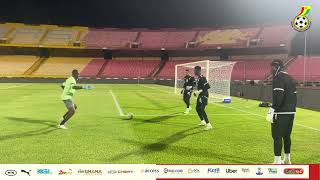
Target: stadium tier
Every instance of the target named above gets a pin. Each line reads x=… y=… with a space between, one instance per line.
x=178 y=39
x=226 y=38
x=60 y=37
x=168 y=70
x=60 y=66
x=93 y=68
x=312 y=66
x=102 y=38
x=273 y=36
x=152 y=39
x=3 y=31
x=16 y=65
x=27 y=35
x=251 y=69
x=129 y=68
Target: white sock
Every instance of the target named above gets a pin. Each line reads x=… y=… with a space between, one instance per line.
x=277 y=159
x=287 y=157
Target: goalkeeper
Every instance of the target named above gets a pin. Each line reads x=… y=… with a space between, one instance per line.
x=69 y=88
x=203 y=95
x=189 y=82
x=282 y=112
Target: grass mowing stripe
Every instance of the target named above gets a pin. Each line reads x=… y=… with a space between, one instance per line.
x=116 y=103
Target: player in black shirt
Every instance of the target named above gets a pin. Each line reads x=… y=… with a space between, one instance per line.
x=203 y=95
x=189 y=82
x=282 y=112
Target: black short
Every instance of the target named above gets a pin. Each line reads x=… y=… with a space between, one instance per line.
x=282 y=125
x=202 y=100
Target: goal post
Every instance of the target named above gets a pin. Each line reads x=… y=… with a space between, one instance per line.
x=218 y=74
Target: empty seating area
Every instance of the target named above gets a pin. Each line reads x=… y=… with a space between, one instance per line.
x=3 y=31
x=129 y=68
x=251 y=69
x=168 y=70
x=61 y=66
x=225 y=38
x=15 y=65
x=178 y=39
x=27 y=35
x=93 y=68
x=273 y=36
x=152 y=39
x=100 y=38
x=60 y=37
x=312 y=69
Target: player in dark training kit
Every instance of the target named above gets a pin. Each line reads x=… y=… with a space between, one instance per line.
x=282 y=112
x=189 y=82
x=203 y=95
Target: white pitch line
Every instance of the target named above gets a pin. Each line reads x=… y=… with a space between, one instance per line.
x=10 y=87
x=116 y=103
x=161 y=115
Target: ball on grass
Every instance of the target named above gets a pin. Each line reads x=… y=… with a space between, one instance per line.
x=129 y=116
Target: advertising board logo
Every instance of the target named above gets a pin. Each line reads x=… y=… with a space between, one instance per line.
x=11 y=172
x=259 y=172
x=44 y=171
x=173 y=171
x=125 y=171
x=63 y=172
x=191 y=170
x=231 y=170
x=214 y=170
x=293 y=171
x=90 y=171
x=150 y=170
x=26 y=172
x=273 y=170
x=245 y=170
x=112 y=172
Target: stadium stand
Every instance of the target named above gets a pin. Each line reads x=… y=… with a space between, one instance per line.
x=152 y=39
x=27 y=35
x=93 y=68
x=225 y=38
x=60 y=66
x=100 y=38
x=273 y=36
x=168 y=70
x=178 y=39
x=296 y=69
x=60 y=37
x=3 y=31
x=15 y=65
x=258 y=69
x=129 y=68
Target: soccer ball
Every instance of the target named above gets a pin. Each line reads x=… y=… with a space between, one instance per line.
x=301 y=22
x=129 y=116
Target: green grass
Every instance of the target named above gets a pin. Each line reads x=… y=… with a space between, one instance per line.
x=159 y=133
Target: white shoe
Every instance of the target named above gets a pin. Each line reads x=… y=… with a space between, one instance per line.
x=203 y=123
x=286 y=162
x=277 y=160
x=62 y=127
x=187 y=111
x=208 y=127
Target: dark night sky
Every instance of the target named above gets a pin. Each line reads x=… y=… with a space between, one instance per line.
x=149 y=13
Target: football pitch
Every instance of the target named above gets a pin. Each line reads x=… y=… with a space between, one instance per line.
x=159 y=133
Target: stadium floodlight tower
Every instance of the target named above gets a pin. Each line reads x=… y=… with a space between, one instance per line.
x=218 y=74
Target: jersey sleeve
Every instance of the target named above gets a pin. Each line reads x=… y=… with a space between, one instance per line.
x=278 y=88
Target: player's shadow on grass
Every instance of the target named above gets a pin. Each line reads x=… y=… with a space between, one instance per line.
x=32 y=121
x=157 y=146
x=156 y=119
x=169 y=141
x=50 y=128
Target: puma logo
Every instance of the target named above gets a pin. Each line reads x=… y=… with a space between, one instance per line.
x=27 y=172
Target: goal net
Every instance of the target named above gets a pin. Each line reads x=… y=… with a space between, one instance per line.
x=218 y=74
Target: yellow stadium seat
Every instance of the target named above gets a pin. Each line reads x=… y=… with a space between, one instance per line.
x=60 y=66
x=15 y=65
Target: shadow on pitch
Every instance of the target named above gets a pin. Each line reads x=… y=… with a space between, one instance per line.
x=50 y=128
x=157 y=146
x=164 y=143
x=156 y=119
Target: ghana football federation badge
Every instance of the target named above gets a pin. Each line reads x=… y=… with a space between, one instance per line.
x=301 y=22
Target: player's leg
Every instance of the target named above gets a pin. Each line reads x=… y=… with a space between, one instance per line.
x=287 y=138
x=277 y=140
x=204 y=114
x=186 y=98
x=199 y=111
x=71 y=111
